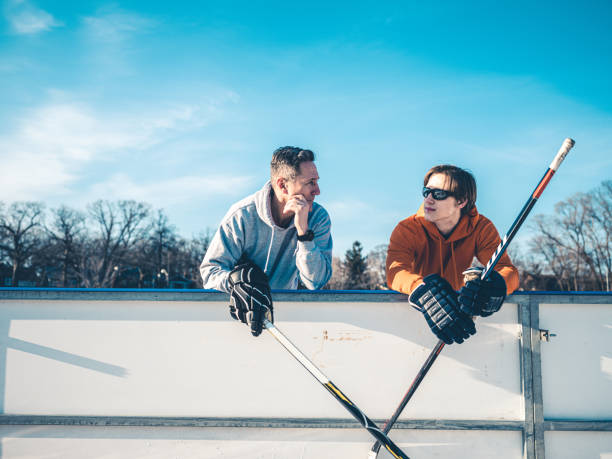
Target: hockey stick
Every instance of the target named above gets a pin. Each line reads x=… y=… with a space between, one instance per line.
x=337 y=393
x=503 y=245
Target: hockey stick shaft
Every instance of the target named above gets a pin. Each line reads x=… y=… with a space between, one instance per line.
x=366 y=422
x=537 y=192
x=503 y=245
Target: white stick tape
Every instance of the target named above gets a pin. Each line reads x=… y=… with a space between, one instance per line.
x=563 y=151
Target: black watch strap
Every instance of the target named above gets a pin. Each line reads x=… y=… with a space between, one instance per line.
x=307 y=236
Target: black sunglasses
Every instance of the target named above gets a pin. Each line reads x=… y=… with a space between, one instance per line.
x=437 y=194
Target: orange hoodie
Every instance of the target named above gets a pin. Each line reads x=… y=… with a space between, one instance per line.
x=417 y=249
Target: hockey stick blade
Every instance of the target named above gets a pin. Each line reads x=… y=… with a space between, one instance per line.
x=367 y=423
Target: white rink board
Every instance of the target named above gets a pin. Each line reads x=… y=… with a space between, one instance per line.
x=577 y=363
x=578 y=445
x=233 y=443
x=173 y=358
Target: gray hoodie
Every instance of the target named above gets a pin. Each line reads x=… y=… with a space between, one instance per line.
x=248 y=228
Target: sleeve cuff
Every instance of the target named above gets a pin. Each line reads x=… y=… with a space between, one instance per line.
x=306 y=245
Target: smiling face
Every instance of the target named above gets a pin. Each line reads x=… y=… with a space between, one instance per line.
x=445 y=214
x=306 y=183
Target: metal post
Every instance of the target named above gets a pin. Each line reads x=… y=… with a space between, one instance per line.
x=526 y=379
x=536 y=367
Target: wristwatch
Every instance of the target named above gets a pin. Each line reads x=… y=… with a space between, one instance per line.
x=307 y=236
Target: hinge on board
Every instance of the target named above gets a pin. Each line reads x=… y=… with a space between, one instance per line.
x=546 y=335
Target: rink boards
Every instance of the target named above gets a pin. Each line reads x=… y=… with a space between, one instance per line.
x=125 y=374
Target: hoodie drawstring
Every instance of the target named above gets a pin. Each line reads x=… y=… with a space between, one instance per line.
x=451 y=261
x=441 y=261
x=269 y=250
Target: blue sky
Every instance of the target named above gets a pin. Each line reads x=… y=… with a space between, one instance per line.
x=180 y=104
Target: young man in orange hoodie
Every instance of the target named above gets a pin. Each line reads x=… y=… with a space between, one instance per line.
x=429 y=251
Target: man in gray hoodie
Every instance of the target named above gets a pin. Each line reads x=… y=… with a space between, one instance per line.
x=279 y=228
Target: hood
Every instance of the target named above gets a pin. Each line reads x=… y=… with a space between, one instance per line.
x=263 y=204
x=464 y=228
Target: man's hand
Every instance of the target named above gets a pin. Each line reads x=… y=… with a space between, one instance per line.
x=437 y=300
x=483 y=298
x=300 y=206
x=250 y=297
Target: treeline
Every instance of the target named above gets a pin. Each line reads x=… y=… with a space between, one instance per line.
x=357 y=271
x=572 y=249
x=128 y=244
x=113 y=244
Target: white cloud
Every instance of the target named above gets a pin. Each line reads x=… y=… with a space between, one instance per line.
x=115 y=25
x=347 y=209
x=76 y=132
x=25 y=18
x=52 y=144
x=350 y=210
x=606 y=366
x=15 y=64
x=170 y=192
x=25 y=175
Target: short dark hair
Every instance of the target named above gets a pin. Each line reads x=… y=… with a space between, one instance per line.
x=286 y=161
x=462 y=183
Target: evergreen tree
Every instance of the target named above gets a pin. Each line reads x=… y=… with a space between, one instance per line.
x=356 y=268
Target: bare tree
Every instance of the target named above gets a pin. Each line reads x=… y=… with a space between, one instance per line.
x=576 y=243
x=152 y=256
x=530 y=268
x=600 y=233
x=119 y=226
x=376 y=261
x=359 y=272
x=189 y=256
x=163 y=237
x=65 y=235
x=20 y=234
x=556 y=258
x=115 y=244
x=338 y=278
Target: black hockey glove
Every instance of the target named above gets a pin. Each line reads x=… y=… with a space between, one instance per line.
x=483 y=298
x=250 y=298
x=437 y=300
